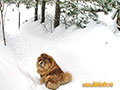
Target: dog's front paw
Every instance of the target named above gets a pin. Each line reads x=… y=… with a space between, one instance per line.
x=41 y=81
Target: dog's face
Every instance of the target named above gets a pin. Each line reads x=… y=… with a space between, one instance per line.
x=44 y=62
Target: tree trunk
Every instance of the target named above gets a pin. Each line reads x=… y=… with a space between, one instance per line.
x=118 y=18
x=19 y=21
x=18 y=6
x=57 y=14
x=2 y=21
x=43 y=11
x=36 y=11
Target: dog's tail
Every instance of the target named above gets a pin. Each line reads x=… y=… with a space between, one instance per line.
x=67 y=77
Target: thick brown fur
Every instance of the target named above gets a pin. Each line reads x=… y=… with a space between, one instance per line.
x=51 y=74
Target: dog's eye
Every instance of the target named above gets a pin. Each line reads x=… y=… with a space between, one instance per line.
x=41 y=63
x=40 y=60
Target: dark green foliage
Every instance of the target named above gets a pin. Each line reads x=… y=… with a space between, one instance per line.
x=81 y=12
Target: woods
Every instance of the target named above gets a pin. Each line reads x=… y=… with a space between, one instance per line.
x=67 y=12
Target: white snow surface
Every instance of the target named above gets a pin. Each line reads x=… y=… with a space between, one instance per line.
x=90 y=54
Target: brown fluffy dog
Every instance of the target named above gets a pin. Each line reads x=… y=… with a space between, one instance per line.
x=50 y=72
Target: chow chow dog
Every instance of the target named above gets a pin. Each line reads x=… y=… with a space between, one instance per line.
x=50 y=73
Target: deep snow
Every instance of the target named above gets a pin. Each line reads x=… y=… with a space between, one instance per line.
x=90 y=54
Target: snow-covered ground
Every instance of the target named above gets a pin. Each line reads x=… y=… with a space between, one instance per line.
x=90 y=54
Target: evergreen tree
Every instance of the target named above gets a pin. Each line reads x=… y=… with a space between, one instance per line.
x=81 y=12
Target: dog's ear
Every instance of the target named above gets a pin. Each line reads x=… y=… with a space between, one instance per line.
x=44 y=55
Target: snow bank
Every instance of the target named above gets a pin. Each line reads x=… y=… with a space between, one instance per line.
x=10 y=77
x=90 y=55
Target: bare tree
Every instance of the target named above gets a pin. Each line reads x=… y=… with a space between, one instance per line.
x=19 y=14
x=43 y=11
x=2 y=20
x=36 y=11
x=57 y=14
